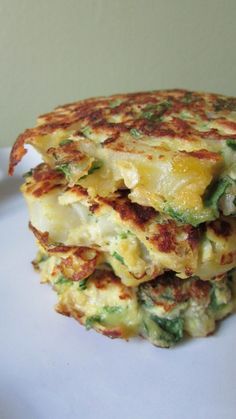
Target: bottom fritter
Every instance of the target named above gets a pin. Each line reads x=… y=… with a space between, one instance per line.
x=163 y=310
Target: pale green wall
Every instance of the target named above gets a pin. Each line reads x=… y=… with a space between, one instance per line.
x=56 y=51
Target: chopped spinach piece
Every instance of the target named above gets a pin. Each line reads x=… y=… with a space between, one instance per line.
x=62 y=280
x=154 y=112
x=185 y=217
x=167 y=297
x=43 y=258
x=64 y=168
x=115 y=103
x=225 y=104
x=145 y=328
x=151 y=116
x=118 y=257
x=231 y=144
x=95 y=166
x=188 y=98
x=214 y=305
x=66 y=141
x=27 y=174
x=125 y=234
x=86 y=131
x=174 y=326
x=158 y=107
x=176 y=214
x=83 y=284
x=216 y=192
x=89 y=323
x=144 y=298
x=184 y=115
x=135 y=133
x=230 y=276
x=112 y=309
x=108 y=265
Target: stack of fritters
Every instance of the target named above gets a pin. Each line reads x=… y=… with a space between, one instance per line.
x=134 y=211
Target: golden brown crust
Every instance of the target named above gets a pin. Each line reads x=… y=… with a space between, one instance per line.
x=165 y=239
x=204 y=155
x=139 y=215
x=43 y=180
x=76 y=264
x=199 y=289
x=67 y=153
x=179 y=290
x=163 y=235
x=18 y=151
x=79 y=265
x=143 y=111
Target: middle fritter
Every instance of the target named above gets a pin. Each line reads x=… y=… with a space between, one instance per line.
x=137 y=241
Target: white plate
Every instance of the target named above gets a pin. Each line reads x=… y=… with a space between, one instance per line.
x=52 y=368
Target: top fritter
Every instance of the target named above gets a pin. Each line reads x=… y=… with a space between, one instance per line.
x=174 y=149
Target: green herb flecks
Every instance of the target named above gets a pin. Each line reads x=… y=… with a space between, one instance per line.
x=66 y=141
x=232 y=144
x=136 y=133
x=115 y=103
x=118 y=257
